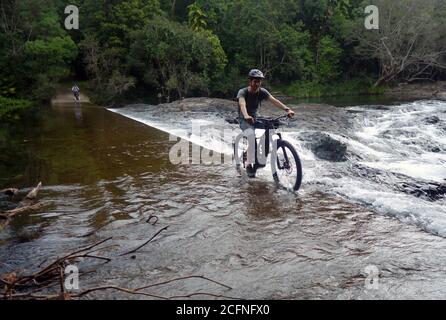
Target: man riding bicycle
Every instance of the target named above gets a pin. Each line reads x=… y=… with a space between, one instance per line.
x=76 y=91
x=249 y=101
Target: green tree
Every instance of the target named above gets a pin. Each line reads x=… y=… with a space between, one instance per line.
x=36 y=50
x=174 y=59
x=327 y=61
x=107 y=39
x=410 y=43
x=197 y=18
x=263 y=34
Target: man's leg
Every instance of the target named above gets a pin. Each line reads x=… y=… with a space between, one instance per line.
x=249 y=133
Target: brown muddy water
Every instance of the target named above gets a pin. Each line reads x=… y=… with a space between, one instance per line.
x=104 y=175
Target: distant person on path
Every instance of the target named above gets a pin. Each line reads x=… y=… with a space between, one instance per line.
x=76 y=91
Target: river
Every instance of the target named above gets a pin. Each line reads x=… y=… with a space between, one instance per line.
x=105 y=172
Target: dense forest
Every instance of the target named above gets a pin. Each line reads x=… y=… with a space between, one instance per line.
x=173 y=48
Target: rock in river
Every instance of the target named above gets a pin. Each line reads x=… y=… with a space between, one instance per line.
x=325 y=147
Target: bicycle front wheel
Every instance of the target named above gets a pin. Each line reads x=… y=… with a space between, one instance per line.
x=287 y=169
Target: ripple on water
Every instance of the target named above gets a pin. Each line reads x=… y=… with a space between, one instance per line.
x=262 y=242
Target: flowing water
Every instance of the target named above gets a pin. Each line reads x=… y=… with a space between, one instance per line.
x=105 y=172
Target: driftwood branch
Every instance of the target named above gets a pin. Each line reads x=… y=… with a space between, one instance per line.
x=10 y=192
x=27 y=204
x=182 y=278
x=47 y=277
x=145 y=243
x=138 y=291
x=12 y=213
x=153 y=220
x=52 y=276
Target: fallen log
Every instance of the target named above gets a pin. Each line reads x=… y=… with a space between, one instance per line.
x=27 y=204
x=30 y=197
x=12 y=213
x=11 y=192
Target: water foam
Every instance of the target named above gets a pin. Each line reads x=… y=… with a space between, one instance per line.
x=398 y=140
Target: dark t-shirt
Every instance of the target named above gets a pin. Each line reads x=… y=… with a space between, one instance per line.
x=253 y=100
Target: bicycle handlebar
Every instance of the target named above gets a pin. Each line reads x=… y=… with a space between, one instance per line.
x=261 y=120
x=272 y=119
x=270 y=122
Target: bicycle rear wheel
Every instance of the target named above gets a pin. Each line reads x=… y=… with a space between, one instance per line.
x=287 y=169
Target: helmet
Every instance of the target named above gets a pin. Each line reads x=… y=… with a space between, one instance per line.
x=255 y=73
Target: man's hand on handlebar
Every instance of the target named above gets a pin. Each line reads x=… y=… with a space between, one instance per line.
x=250 y=119
x=290 y=113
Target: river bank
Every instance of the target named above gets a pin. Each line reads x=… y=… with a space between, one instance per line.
x=10 y=109
x=419 y=91
x=361 y=88
x=344 y=93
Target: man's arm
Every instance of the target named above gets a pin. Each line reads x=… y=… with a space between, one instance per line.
x=242 y=104
x=280 y=105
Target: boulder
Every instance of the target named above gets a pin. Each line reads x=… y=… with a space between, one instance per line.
x=430 y=191
x=432 y=120
x=325 y=147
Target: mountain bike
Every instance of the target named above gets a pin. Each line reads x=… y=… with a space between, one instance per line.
x=77 y=99
x=285 y=163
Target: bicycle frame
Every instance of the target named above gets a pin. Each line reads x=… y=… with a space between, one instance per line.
x=270 y=132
